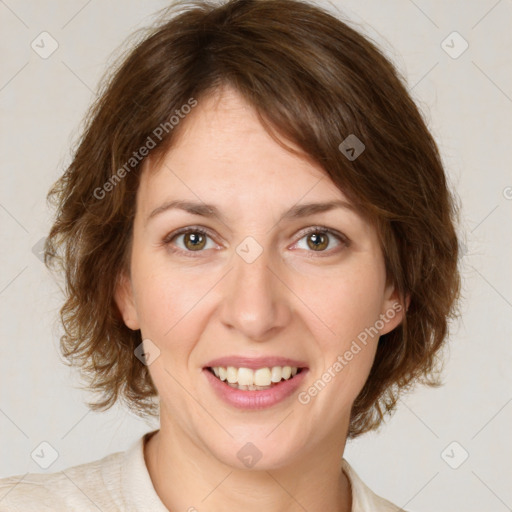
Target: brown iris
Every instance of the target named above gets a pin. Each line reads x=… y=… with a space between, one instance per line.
x=197 y=241
x=320 y=241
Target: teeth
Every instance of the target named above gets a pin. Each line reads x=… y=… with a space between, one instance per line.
x=248 y=379
x=277 y=374
x=262 y=377
x=245 y=377
x=232 y=374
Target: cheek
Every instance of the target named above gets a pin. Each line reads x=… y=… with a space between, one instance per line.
x=347 y=308
x=345 y=305
x=169 y=309
x=168 y=302
x=165 y=304
x=153 y=286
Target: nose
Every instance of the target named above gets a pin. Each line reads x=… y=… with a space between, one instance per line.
x=255 y=300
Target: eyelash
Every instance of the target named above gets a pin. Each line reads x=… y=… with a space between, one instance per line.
x=198 y=229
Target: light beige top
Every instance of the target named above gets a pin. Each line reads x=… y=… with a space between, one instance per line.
x=120 y=482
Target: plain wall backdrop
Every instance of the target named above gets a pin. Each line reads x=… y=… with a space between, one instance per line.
x=465 y=94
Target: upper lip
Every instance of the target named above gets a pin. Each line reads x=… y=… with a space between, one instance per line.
x=254 y=362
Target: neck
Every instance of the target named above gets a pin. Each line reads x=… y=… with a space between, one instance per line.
x=186 y=477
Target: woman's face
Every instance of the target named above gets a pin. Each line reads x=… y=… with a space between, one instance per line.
x=264 y=286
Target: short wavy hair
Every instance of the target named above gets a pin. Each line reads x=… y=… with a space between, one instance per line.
x=312 y=80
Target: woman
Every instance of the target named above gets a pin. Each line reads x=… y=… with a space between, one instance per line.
x=259 y=247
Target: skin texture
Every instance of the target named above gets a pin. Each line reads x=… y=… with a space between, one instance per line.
x=292 y=301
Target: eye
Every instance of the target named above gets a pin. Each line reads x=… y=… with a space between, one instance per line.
x=319 y=238
x=193 y=239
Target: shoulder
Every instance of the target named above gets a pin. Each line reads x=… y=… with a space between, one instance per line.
x=90 y=486
x=363 y=498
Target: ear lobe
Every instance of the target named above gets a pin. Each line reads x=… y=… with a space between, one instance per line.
x=123 y=296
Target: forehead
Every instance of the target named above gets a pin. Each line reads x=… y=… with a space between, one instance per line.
x=223 y=151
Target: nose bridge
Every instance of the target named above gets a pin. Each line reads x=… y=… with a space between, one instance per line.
x=254 y=302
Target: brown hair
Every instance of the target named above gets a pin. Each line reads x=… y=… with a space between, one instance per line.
x=313 y=80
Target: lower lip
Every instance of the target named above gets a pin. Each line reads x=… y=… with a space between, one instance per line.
x=255 y=399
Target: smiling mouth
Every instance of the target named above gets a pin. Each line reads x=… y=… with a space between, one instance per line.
x=247 y=379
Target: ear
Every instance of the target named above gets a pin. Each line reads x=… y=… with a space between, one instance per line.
x=393 y=308
x=124 y=298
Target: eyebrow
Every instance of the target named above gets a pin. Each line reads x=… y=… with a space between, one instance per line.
x=211 y=211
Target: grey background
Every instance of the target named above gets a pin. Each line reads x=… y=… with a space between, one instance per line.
x=468 y=106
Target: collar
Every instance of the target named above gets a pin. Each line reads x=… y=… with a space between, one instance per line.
x=140 y=495
x=136 y=484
